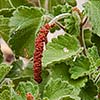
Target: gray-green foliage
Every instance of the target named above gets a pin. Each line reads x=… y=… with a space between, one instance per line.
x=24 y=23
x=61 y=49
x=70 y=62
x=92 y=9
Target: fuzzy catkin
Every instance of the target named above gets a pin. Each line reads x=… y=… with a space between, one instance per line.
x=39 y=45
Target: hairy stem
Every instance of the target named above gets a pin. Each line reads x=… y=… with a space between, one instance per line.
x=55 y=19
x=81 y=37
x=57 y=23
x=84 y=21
x=84 y=45
x=97 y=78
x=11 y=4
x=46 y=4
x=82 y=41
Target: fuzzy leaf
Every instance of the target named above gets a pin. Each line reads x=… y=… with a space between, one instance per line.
x=89 y=91
x=19 y=71
x=95 y=39
x=24 y=24
x=60 y=49
x=59 y=70
x=7 y=12
x=62 y=71
x=80 y=67
x=93 y=57
x=4 y=70
x=93 y=54
x=4 y=4
x=57 y=90
x=52 y=3
x=61 y=9
x=4 y=28
x=5 y=95
x=27 y=87
x=10 y=94
x=17 y=3
x=72 y=2
x=72 y=24
x=87 y=37
x=92 y=8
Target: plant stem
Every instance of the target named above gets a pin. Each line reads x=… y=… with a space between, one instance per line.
x=58 y=23
x=97 y=78
x=81 y=37
x=84 y=45
x=85 y=20
x=46 y=4
x=11 y=4
x=55 y=19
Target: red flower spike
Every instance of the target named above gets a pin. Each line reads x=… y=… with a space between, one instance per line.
x=47 y=26
x=29 y=96
x=39 y=45
x=52 y=25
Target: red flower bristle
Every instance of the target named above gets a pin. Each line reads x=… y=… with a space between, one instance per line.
x=39 y=45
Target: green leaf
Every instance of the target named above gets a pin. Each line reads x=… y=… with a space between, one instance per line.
x=45 y=79
x=7 y=12
x=10 y=94
x=19 y=71
x=59 y=70
x=4 y=28
x=87 y=37
x=72 y=24
x=93 y=57
x=6 y=90
x=80 y=67
x=25 y=24
x=4 y=70
x=61 y=9
x=4 y=4
x=89 y=92
x=62 y=71
x=58 y=89
x=17 y=3
x=57 y=10
x=28 y=87
x=71 y=2
x=92 y=9
x=51 y=3
x=95 y=40
x=93 y=54
x=5 y=95
x=60 y=49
